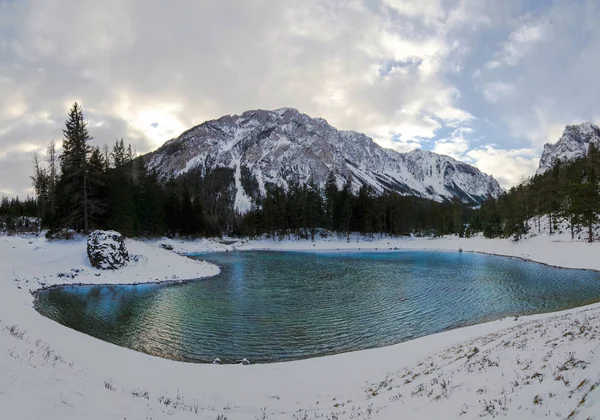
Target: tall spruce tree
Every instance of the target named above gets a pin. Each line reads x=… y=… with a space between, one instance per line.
x=73 y=184
x=40 y=180
x=52 y=161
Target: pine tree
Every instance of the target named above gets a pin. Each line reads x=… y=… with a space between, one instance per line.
x=73 y=182
x=98 y=185
x=186 y=214
x=121 y=214
x=314 y=208
x=584 y=204
x=457 y=212
x=331 y=197
x=171 y=206
x=52 y=161
x=345 y=207
x=41 y=180
x=149 y=202
x=364 y=210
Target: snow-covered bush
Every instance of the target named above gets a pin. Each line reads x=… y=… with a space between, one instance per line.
x=106 y=250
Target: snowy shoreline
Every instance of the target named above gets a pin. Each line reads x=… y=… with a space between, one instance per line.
x=417 y=249
x=541 y=249
x=100 y=380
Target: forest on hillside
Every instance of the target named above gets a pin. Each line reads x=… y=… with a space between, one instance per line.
x=84 y=187
x=569 y=192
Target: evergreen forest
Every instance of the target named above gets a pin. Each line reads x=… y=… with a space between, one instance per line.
x=86 y=187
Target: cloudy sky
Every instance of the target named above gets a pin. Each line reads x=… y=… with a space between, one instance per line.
x=485 y=81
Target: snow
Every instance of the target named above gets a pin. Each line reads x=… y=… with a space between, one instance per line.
x=272 y=143
x=243 y=203
x=530 y=367
x=573 y=144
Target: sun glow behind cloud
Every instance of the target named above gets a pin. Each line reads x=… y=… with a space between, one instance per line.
x=158 y=123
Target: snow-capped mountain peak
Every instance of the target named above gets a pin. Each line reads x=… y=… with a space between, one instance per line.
x=573 y=144
x=281 y=146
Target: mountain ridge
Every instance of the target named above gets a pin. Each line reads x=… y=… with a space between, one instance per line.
x=284 y=145
x=573 y=144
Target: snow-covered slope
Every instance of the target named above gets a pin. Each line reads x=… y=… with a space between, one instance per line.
x=284 y=145
x=573 y=144
x=540 y=366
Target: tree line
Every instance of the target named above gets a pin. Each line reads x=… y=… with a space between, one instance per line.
x=300 y=210
x=17 y=215
x=86 y=187
x=569 y=192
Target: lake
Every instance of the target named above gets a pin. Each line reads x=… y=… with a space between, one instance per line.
x=278 y=306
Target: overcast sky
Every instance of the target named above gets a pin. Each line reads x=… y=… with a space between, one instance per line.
x=485 y=81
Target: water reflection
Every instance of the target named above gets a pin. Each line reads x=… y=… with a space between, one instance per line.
x=269 y=306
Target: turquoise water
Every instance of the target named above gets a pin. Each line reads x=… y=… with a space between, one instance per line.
x=276 y=306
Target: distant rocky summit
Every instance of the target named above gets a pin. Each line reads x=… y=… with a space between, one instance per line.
x=573 y=144
x=263 y=148
x=106 y=250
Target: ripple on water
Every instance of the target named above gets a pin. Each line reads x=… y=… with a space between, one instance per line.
x=276 y=306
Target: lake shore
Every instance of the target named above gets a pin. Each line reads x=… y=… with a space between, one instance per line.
x=525 y=368
x=555 y=251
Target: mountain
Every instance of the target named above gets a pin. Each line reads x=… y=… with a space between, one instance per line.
x=573 y=144
x=279 y=146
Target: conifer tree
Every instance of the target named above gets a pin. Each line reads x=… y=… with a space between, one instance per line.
x=40 y=180
x=74 y=182
x=52 y=161
x=98 y=185
x=331 y=197
x=345 y=207
x=149 y=202
x=121 y=214
x=314 y=208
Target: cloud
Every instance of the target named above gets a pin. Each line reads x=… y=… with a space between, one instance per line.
x=146 y=72
x=508 y=166
x=12 y=163
x=427 y=10
x=400 y=71
x=520 y=42
x=456 y=145
x=495 y=91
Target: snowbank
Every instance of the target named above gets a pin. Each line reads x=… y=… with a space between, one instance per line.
x=544 y=365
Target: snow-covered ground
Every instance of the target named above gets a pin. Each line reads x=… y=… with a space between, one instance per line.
x=531 y=367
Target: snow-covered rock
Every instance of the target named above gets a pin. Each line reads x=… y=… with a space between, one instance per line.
x=285 y=145
x=106 y=250
x=573 y=144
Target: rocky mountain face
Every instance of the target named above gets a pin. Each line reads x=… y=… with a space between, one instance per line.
x=281 y=146
x=573 y=144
